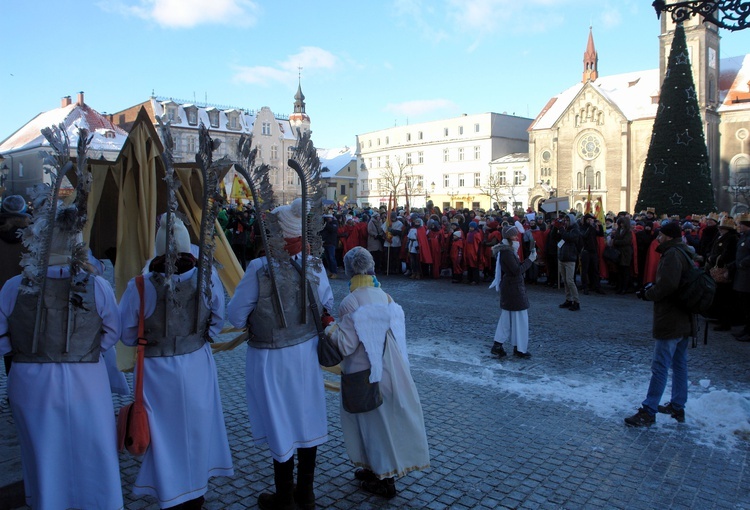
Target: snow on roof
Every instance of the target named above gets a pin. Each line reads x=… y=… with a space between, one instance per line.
x=515 y=157
x=335 y=159
x=734 y=83
x=107 y=136
x=630 y=92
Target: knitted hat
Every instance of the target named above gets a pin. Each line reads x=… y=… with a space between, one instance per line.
x=290 y=218
x=473 y=224
x=181 y=236
x=358 y=261
x=671 y=229
x=14 y=204
x=509 y=231
x=687 y=226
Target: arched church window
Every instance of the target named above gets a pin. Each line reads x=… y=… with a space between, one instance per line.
x=598 y=180
x=579 y=180
x=589 y=174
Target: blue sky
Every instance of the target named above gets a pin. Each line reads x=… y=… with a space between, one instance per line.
x=366 y=64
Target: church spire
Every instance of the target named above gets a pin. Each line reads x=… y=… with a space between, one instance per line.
x=590 y=60
x=299 y=119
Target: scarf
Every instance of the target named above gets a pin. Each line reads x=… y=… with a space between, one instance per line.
x=363 y=280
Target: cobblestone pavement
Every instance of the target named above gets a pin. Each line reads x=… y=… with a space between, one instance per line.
x=540 y=433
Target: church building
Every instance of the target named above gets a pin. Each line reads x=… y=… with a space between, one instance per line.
x=595 y=135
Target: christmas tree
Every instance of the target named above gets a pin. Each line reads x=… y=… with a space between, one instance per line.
x=676 y=176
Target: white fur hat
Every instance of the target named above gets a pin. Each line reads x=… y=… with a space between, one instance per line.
x=290 y=218
x=181 y=236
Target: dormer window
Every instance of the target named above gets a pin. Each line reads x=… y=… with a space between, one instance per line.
x=109 y=133
x=192 y=115
x=266 y=128
x=213 y=117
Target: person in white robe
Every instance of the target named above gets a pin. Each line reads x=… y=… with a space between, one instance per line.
x=63 y=411
x=389 y=441
x=181 y=393
x=513 y=324
x=285 y=388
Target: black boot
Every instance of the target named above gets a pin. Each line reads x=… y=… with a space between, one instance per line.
x=385 y=487
x=283 y=477
x=304 y=495
x=497 y=350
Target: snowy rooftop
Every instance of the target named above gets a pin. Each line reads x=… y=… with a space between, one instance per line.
x=632 y=92
x=515 y=157
x=335 y=159
x=107 y=136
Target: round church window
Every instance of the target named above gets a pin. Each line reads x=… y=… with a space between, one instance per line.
x=742 y=134
x=589 y=147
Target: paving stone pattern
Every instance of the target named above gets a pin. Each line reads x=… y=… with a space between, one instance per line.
x=492 y=448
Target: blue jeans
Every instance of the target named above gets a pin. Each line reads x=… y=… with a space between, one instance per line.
x=330 y=252
x=668 y=353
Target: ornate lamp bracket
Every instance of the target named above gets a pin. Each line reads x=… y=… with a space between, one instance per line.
x=729 y=14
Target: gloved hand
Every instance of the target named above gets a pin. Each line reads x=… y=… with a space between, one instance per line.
x=532 y=255
x=641 y=293
x=327 y=319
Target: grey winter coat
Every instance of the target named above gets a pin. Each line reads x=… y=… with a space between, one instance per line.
x=512 y=289
x=670 y=320
x=374 y=229
x=742 y=264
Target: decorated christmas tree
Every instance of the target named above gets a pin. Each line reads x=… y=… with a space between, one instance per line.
x=676 y=176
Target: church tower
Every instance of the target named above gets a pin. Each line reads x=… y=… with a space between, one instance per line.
x=703 y=45
x=299 y=119
x=590 y=60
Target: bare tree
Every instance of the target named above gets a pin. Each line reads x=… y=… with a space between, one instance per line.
x=397 y=178
x=499 y=188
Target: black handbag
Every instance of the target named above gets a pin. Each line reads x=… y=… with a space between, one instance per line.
x=358 y=394
x=611 y=254
x=328 y=353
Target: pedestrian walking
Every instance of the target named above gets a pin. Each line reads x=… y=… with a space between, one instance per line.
x=385 y=438
x=513 y=324
x=672 y=326
x=180 y=386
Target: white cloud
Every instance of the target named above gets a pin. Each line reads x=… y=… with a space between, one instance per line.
x=309 y=58
x=421 y=107
x=190 y=13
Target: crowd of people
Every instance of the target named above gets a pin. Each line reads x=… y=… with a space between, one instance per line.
x=383 y=426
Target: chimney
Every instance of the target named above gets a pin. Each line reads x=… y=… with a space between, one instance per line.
x=65 y=102
x=80 y=99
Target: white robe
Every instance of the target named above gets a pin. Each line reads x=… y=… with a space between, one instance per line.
x=390 y=440
x=188 y=435
x=285 y=393
x=65 y=417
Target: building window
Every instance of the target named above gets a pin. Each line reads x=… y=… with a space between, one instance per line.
x=460 y=153
x=445 y=131
x=191 y=144
x=517 y=205
x=476 y=128
x=477 y=152
x=387 y=140
x=598 y=180
x=408 y=158
x=419 y=135
x=213 y=118
x=546 y=156
x=445 y=155
x=387 y=161
x=266 y=128
x=517 y=177
x=233 y=122
x=343 y=189
x=477 y=179
x=502 y=179
x=378 y=141
x=446 y=180
x=461 y=181
x=369 y=184
x=589 y=177
x=378 y=160
x=171 y=113
x=460 y=130
x=378 y=184
x=408 y=137
x=363 y=184
x=420 y=157
x=369 y=162
x=289 y=152
x=475 y=205
x=579 y=180
x=260 y=153
x=369 y=143
x=192 y=116
x=274 y=152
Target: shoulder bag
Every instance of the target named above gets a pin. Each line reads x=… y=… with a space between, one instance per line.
x=719 y=274
x=133 y=433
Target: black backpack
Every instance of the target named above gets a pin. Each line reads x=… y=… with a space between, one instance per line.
x=697 y=289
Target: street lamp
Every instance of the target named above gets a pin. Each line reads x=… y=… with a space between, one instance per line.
x=730 y=14
x=4 y=171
